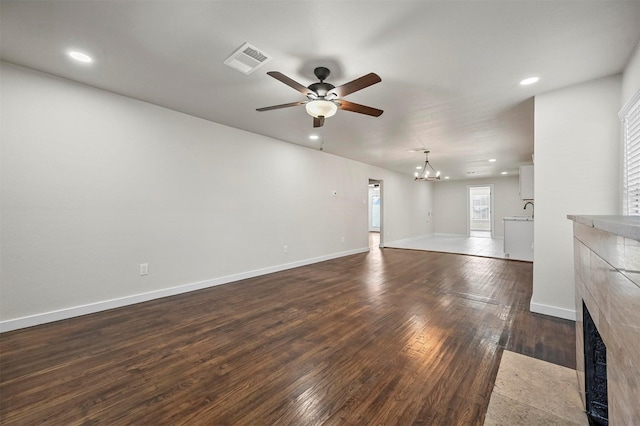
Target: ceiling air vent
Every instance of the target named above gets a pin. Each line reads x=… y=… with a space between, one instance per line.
x=247 y=59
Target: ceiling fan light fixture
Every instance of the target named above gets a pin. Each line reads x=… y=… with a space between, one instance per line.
x=324 y=99
x=321 y=108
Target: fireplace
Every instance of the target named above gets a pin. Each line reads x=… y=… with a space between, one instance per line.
x=607 y=295
x=595 y=372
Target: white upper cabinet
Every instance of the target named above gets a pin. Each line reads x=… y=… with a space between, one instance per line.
x=526 y=182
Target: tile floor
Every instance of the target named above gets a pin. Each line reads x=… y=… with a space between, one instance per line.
x=476 y=246
x=529 y=391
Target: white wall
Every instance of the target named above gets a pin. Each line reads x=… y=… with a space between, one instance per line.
x=577 y=170
x=408 y=203
x=450 y=203
x=94 y=184
x=631 y=76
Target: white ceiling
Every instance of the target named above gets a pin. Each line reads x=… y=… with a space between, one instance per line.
x=450 y=69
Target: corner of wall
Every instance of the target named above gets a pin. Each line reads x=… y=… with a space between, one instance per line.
x=553 y=311
x=631 y=76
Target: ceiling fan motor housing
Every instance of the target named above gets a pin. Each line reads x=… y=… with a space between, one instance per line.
x=321 y=89
x=322 y=73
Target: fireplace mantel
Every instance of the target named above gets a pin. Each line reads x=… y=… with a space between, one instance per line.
x=607 y=280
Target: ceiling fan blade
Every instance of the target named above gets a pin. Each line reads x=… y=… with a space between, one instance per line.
x=291 y=104
x=357 y=84
x=318 y=121
x=362 y=109
x=291 y=83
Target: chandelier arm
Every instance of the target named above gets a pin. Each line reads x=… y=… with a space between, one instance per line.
x=424 y=175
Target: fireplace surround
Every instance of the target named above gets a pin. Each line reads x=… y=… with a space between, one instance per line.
x=607 y=285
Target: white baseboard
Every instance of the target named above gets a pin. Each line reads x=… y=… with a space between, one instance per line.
x=76 y=311
x=553 y=311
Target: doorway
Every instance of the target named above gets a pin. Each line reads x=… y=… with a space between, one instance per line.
x=375 y=216
x=480 y=211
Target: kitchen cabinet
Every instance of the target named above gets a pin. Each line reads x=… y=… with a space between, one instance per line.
x=526 y=182
x=518 y=238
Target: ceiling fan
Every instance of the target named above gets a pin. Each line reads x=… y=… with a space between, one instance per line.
x=324 y=99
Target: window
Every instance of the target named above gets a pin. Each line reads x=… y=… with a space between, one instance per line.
x=630 y=116
x=480 y=207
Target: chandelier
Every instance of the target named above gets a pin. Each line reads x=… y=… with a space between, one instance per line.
x=428 y=172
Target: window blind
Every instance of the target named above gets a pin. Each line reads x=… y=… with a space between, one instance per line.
x=630 y=116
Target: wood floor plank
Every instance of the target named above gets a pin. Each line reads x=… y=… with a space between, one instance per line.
x=386 y=337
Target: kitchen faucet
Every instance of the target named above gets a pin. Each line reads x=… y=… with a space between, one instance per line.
x=532 y=207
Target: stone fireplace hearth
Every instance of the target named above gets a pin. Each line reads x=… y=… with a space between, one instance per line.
x=607 y=284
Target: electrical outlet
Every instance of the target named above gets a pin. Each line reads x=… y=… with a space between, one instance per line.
x=285 y=249
x=342 y=239
x=144 y=268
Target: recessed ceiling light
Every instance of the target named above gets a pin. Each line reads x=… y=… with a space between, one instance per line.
x=503 y=173
x=418 y=167
x=80 y=57
x=529 y=80
x=314 y=137
x=446 y=177
x=492 y=160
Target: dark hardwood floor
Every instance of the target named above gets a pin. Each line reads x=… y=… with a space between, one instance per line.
x=383 y=338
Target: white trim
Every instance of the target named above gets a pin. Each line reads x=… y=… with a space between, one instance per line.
x=381 y=230
x=553 y=311
x=371 y=194
x=627 y=107
x=76 y=311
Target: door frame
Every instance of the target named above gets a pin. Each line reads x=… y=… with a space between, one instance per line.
x=381 y=183
x=491 y=206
